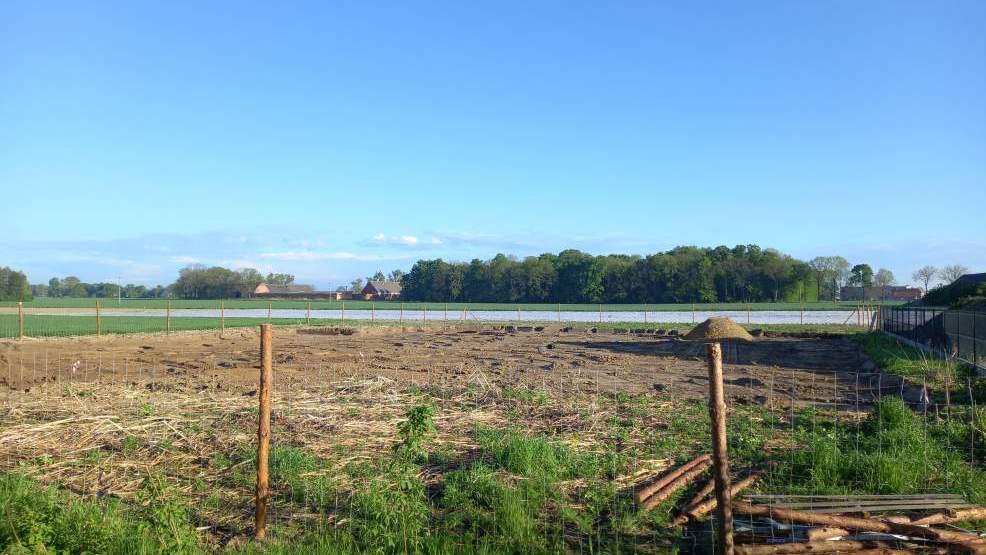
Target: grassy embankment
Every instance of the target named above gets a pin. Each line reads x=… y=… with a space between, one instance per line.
x=505 y=490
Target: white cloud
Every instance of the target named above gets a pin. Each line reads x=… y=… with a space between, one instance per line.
x=404 y=241
x=311 y=256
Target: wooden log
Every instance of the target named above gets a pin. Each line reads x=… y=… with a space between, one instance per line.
x=680 y=482
x=970 y=543
x=659 y=484
x=720 y=457
x=810 y=547
x=957 y=516
x=263 y=433
x=700 y=495
x=826 y=533
x=694 y=511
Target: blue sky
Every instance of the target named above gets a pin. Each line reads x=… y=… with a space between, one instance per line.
x=332 y=139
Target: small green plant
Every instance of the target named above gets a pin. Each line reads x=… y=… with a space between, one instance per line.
x=413 y=432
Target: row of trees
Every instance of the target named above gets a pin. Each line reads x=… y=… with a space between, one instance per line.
x=683 y=274
x=944 y=276
x=14 y=285
x=71 y=286
x=200 y=282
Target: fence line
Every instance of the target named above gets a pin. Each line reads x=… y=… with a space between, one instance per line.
x=958 y=334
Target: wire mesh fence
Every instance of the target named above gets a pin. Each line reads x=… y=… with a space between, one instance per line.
x=473 y=440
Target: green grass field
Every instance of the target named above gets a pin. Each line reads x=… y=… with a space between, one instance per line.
x=65 y=302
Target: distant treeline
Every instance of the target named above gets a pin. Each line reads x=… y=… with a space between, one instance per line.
x=744 y=273
x=683 y=274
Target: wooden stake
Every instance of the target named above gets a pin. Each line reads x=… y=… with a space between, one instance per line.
x=343 y=311
x=20 y=320
x=99 y=321
x=308 y=314
x=373 y=312
x=269 y=306
x=446 y=314
x=518 y=313
x=263 y=432
x=424 y=313
x=720 y=457
x=222 y=317
x=167 y=318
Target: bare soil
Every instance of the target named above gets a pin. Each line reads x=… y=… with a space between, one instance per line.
x=805 y=370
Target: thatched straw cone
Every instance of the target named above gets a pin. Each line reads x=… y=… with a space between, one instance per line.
x=714 y=331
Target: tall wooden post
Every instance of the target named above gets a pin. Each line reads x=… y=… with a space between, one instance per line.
x=402 y=314
x=308 y=314
x=720 y=457
x=263 y=433
x=270 y=305
x=373 y=311
x=446 y=314
x=99 y=321
x=424 y=313
x=20 y=320
x=343 y=311
x=518 y=313
x=222 y=317
x=167 y=318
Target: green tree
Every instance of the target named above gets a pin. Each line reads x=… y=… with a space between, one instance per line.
x=861 y=275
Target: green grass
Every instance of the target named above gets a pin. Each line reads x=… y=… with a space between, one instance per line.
x=939 y=373
x=513 y=491
x=69 y=302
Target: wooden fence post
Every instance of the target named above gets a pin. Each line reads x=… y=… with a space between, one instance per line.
x=222 y=318
x=99 y=322
x=270 y=305
x=263 y=433
x=424 y=313
x=720 y=458
x=402 y=316
x=308 y=314
x=343 y=311
x=167 y=318
x=373 y=311
x=20 y=320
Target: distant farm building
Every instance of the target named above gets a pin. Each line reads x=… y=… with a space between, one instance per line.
x=889 y=293
x=382 y=290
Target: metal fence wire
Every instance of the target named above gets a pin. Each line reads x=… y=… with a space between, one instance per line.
x=959 y=334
